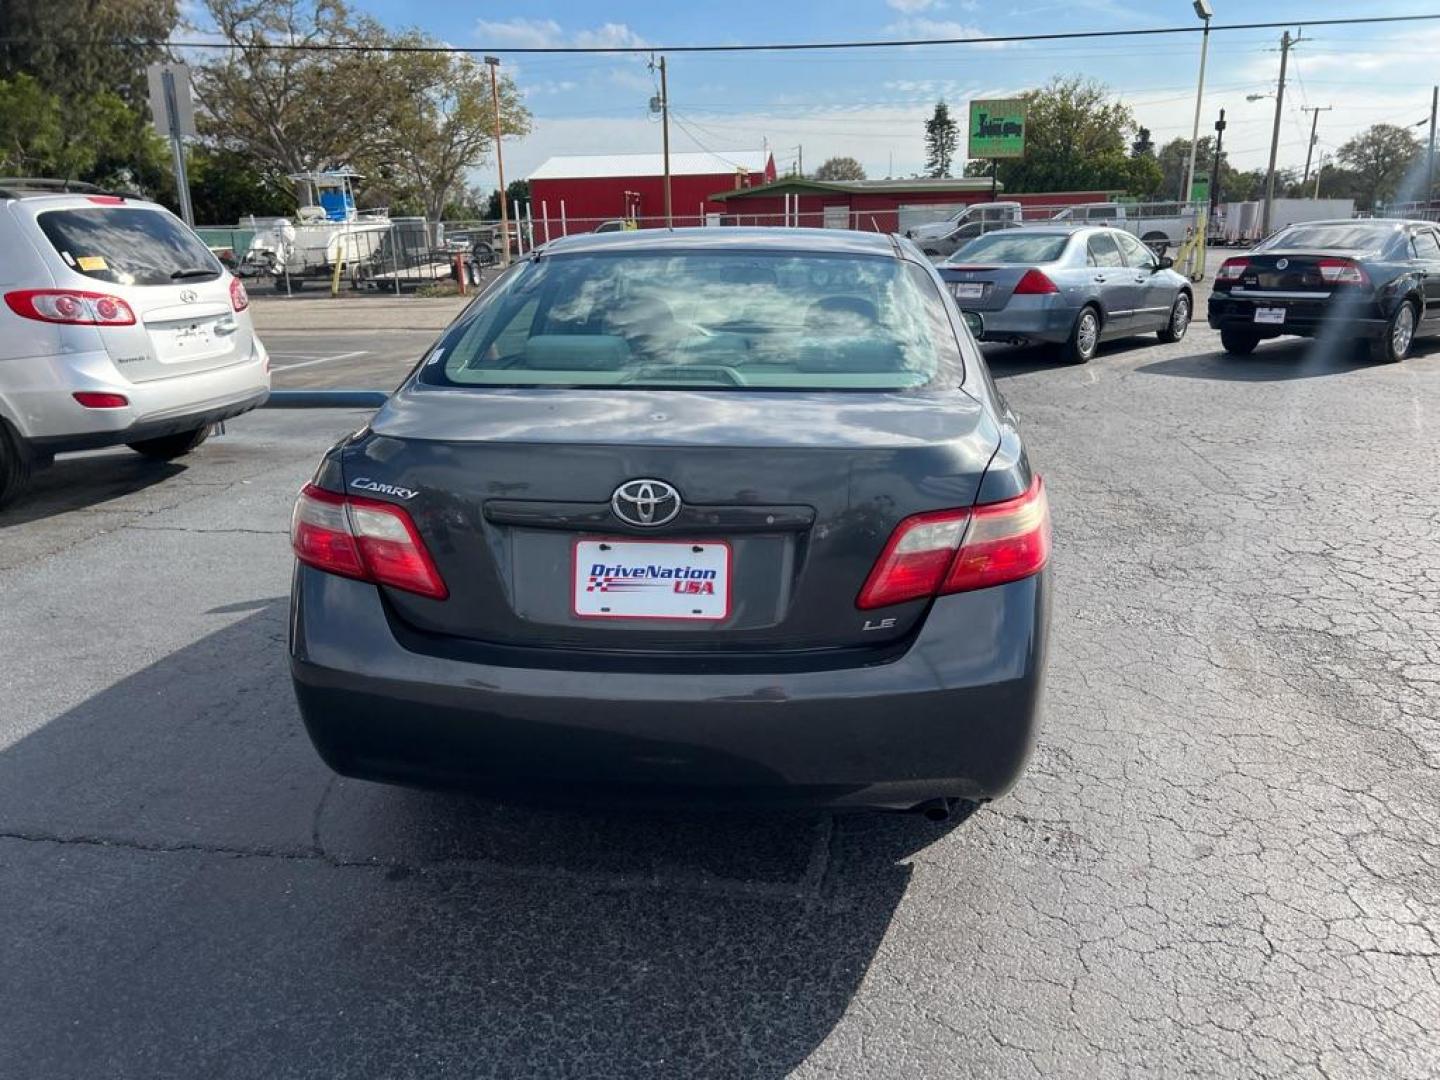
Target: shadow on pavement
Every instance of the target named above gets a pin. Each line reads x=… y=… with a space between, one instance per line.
x=1006 y=361
x=189 y=892
x=86 y=480
x=1285 y=360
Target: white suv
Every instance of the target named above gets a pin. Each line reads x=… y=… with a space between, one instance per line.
x=117 y=325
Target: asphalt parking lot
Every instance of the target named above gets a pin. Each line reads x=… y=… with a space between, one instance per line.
x=1222 y=862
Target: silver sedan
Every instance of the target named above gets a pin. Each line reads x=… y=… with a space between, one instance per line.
x=1069 y=287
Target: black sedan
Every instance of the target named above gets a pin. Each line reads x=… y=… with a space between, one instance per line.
x=715 y=514
x=1374 y=280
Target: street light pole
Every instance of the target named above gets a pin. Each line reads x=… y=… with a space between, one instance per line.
x=1215 y=168
x=1203 y=10
x=665 y=138
x=494 y=62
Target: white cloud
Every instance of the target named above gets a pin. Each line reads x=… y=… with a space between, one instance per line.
x=520 y=33
x=913 y=7
x=918 y=27
x=611 y=35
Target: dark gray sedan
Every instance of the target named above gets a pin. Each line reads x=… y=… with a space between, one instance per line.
x=715 y=514
x=1071 y=287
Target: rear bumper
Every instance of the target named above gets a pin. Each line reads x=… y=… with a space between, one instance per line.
x=955 y=715
x=36 y=397
x=1304 y=318
x=1027 y=318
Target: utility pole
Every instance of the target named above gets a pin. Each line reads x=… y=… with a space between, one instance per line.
x=1314 y=123
x=494 y=64
x=1430 y=166
x=1215 y=167
x=665 y=139
x=1285 y=42
x=800 y=161
x=1202 y=9
x=1319 y=168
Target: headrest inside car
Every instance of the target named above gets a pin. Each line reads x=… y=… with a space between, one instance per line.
x=576 y=352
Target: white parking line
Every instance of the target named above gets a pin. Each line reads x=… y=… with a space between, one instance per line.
x=319 y=360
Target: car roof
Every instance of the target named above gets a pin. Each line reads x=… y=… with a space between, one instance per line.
x=36 y=187
x=728 y=238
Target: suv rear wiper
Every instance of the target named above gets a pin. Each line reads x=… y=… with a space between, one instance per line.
x=194 y=271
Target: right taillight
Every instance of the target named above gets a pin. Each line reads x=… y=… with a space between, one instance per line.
x=952 y=551
x=363 y=538
x=239 y=298
x=1034 y=282
x=1342 y=272
x=70 y=307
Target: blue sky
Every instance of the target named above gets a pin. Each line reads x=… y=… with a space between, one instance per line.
x=870 y=104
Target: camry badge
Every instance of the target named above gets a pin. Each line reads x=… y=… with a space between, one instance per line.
x=646 y=503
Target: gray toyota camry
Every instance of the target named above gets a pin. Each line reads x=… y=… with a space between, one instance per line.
x=717 y=515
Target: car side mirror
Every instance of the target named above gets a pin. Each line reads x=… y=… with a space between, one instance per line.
x=1166 y=262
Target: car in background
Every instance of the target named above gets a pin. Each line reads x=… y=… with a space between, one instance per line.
x=1160 y=225
x=1372 y=280
x=940 y=238
x=117 y=326
x=1068 y=287
x=716 y=515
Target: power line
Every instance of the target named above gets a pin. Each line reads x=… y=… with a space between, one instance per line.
x=796 y=46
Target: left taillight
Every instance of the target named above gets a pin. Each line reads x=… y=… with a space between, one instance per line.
x=363 y=538
x=953 y=551
x=239 y=298
x=70 y=307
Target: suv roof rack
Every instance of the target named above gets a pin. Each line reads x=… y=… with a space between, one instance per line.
x=18 y=187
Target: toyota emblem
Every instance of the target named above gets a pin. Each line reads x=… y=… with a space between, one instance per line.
x=646 y=503
x=189 y=296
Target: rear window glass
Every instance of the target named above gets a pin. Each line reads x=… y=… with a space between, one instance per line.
x=713 y=320
x=1013 y=247
x=128 y=246
x=1334 y=235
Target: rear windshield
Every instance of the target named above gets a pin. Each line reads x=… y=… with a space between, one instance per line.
x=727 y=320
x=1013 y=247
x=1333 y=235
x=128 y=246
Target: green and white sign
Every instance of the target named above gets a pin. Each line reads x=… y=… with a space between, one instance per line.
x=997 y=129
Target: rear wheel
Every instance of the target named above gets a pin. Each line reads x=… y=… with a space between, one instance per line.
x=15 y=464
x=1084 y=338
x=1179 y=320
x=169 y=447
x=1238 y=342
x=1394 y=345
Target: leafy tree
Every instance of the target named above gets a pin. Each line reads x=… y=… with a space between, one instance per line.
x=942 y=139
x=41 y=134
x=1144 y=145
x=1077 y=136
x=840 y=168
x=519 y=192
x=1174 y=159
x=76 y=48
x=440 y=122
x=225 y=186
x=1380 y=157
x=291 y=110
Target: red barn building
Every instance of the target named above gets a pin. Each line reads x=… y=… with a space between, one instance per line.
x=586 y=190
x=878 y=205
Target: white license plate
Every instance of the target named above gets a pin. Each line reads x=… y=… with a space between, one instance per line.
x=1272 y=315
x=654 y=579
x=969 y=290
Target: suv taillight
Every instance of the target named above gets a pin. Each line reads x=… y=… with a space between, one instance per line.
x=239 y=298
x=952 y=551
x=71 y=307
x=365 y=539
x=1034 y=282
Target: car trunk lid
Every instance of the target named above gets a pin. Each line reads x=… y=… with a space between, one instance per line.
x=984 y=287
x=179 y=330
x=794 y=494
x=1294 y=271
